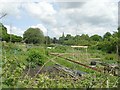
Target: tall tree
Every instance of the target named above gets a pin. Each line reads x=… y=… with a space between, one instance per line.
x=85 y=37
x=119 y=40
x=54 y=40
x=33 y=35
x=4 y=36
x=61 y=39
x=96 y=37
x=48 y=40
x=15 y=38
x=68 y=37
x=107 y=36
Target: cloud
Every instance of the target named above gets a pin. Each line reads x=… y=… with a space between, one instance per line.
x=12 y=8
x=42 y=10
x=41 y=27
x=92 y=12
x=86 y=17
x=20 y=32
x=90 y=16
x=85 y=0
x=14 y=30
x=68 y=5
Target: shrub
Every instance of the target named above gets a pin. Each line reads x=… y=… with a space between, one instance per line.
x=61 y=49
x=35 y=57
x=110 y=57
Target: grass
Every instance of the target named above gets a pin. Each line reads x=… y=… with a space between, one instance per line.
x=73 y=66
x=81 y=56
x=19 y=53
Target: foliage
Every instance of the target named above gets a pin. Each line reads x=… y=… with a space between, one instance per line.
x=47 y=40
x=61 y=39
x=3 y=33
x=13 y=73
x=54 y=41
x=119 y=40
x=15 y=38
x=35 y=57
x=96 y=38
x=16 y=57
x=33 y=35
x=4 y=36
x=107 y=35
x=60 y=49
x=110 y=57
x=108 y=43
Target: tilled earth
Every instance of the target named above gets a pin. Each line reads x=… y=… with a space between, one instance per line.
x=52 y=71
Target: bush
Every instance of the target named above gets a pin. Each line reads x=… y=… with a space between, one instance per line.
x=110 y=57
x=35 y=57
x=61 y=49
x=11 y=47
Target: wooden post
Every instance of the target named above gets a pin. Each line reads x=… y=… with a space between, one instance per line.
x=117 y=52
x=107 y=83
x=10 y=32
x=86 y=54
x=118 y=57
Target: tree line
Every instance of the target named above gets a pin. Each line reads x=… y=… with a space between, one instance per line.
x=108 y=42
x=4 y=36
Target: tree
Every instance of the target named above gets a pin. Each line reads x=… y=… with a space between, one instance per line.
x=15 y=38
x=68 y=37
x=107 y=36
x=96 y=37
x=4 y=36
x=61 y=39
x=47 y=40
x=54 y=40
x=85 y=37
x=33 y=35
x=119 y=40
x=77 y=39
x=109 y=44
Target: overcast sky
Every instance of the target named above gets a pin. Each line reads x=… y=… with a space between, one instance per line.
x=74 y=17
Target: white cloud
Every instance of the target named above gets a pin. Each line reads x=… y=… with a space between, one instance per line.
x=91 y=16
x=85 y=0
x=43 y=11
x=11 y=7
x=19 y=31
x=41 y=27
x=14 y=30
x=92 y=29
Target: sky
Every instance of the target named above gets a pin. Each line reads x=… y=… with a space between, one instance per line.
x=54 y=17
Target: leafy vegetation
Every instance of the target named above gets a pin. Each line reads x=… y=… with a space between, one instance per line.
x=35 y=57
x=107 y=43
x=18 y=58
x=33 y=35
x=4 y=36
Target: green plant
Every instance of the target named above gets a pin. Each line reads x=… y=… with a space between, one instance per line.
x=110 y=57
x=14 y=76
x=35 y=57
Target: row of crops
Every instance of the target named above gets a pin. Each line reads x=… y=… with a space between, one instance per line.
x=30 y=66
